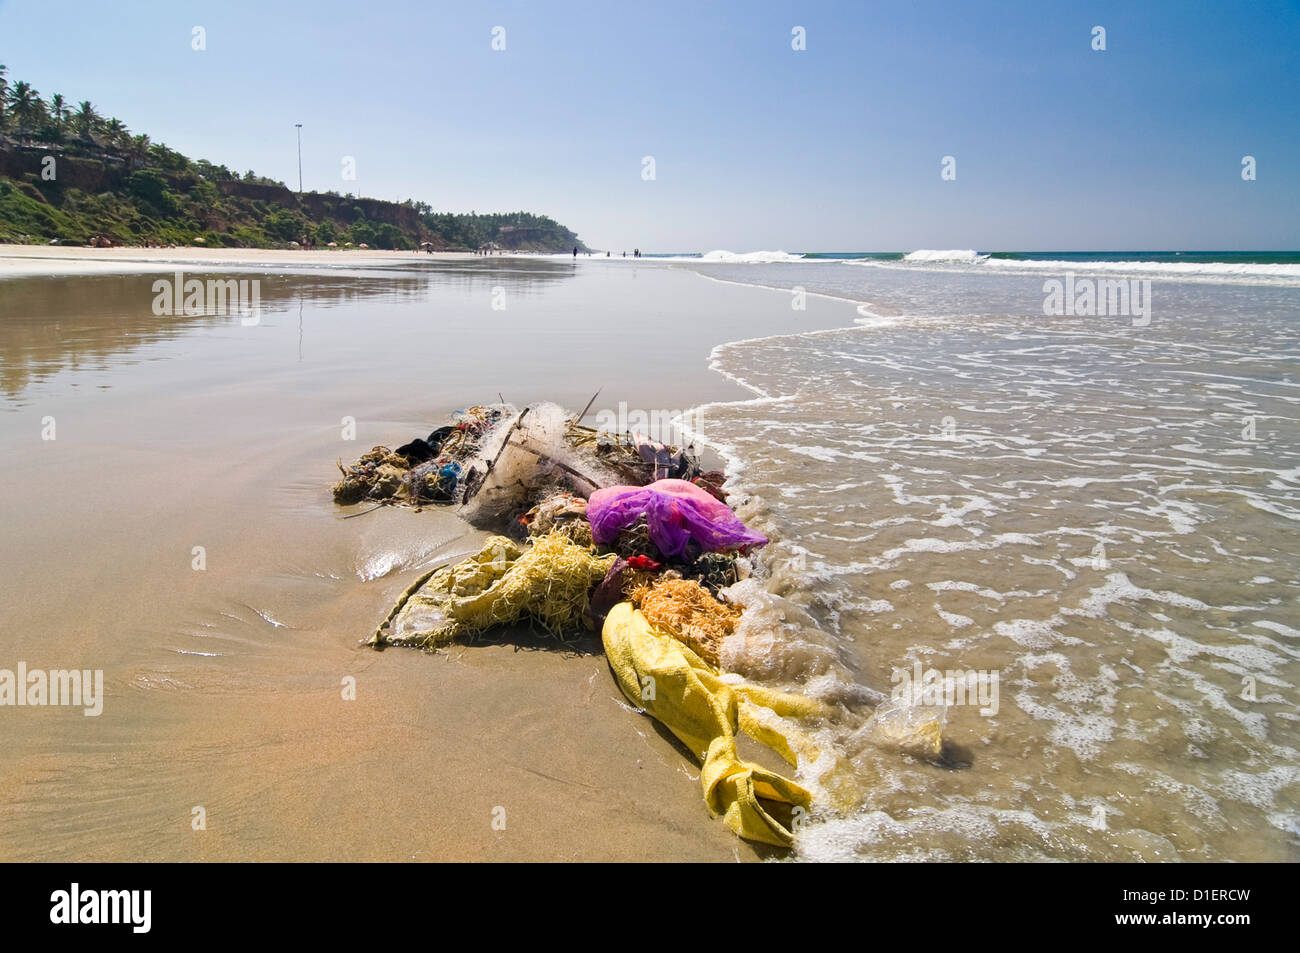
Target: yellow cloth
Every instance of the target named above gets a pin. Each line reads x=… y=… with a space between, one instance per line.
x=674 y=685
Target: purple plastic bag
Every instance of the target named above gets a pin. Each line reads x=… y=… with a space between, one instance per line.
x=676 y=512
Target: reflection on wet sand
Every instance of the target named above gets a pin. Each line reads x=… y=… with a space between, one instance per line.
x=48 y=323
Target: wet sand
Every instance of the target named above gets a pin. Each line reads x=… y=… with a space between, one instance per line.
x=68 y=260
x=225 y=685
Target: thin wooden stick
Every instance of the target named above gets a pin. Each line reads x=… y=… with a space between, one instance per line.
x=578 y=418
x=472 y=491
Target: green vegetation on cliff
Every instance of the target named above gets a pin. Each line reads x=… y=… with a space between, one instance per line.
x=72 y=176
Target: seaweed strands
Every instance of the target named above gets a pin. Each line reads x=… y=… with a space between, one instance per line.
x=715 y=571
x=377 y=475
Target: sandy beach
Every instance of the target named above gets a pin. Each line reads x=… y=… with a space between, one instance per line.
x=946 y=481
x=223 y=686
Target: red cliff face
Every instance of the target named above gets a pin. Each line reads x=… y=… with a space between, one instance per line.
x=71 y=172
x=319 y=206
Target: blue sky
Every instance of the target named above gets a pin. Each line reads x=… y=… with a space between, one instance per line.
x=756 y=145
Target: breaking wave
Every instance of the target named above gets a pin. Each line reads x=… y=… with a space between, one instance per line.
x=1286 y=274
x=720 y=256
x=951 y=255
x=1171 y=268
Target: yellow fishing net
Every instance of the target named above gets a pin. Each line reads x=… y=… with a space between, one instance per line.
x=546 y=583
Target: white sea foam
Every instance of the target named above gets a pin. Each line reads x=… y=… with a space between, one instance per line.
x=721 y=256
x=1273 y=273
x=1204 y=268
x=951 y=255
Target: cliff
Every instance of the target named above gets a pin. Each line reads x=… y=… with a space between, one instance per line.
x=50 y=193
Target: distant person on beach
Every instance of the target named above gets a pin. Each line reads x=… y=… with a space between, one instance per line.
x=575 y=251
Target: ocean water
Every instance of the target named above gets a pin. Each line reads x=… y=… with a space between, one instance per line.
x=1103 y=510
x=1281 y=268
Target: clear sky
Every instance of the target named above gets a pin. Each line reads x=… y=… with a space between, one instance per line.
x=755 y=145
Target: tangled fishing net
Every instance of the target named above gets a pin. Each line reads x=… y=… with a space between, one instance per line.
x=546 y=583
x=524 y=459
x=425 y=470
x=685 y=609
x=559 y=511
x=377 y=475
x=498 y=461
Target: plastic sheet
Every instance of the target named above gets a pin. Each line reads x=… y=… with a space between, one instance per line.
x=687 y=695
x=676 y=512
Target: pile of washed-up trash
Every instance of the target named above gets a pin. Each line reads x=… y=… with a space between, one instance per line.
x=619 y=534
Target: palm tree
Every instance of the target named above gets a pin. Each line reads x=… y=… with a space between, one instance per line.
x=4 y=94
x=26 y=105
x=137 y=148
x=85 y=119
x=116 y=133
x=59 y=113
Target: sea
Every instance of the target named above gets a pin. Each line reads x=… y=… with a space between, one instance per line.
x=1099 y=503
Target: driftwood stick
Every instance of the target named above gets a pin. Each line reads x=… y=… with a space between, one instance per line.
x=563 y=466
x=578 y=419
x=472 y=491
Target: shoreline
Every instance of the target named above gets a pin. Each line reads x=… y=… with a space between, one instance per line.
x=72 y=260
